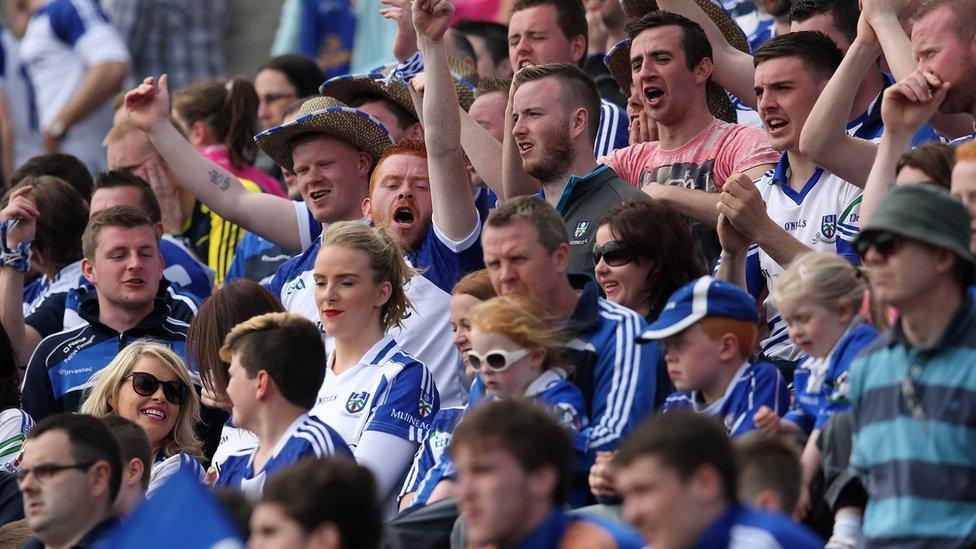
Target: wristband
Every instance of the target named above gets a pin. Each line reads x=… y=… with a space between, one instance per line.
x=19 y=257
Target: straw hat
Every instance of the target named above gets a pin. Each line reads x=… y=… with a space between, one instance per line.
x=329 y=116
x=618 y=59
x=345 y=88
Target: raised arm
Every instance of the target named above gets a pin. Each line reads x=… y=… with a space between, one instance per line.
x=454 y=211
x=515 y=181
x=734 y=70
x=269 y=216
x=23 y=337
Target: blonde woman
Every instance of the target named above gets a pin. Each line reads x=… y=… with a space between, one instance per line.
x=147 y=383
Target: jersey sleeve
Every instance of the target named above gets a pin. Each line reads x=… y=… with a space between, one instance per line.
x=755 y=280
x=83 y=25
x=613 y=132
x=48 y=317
x=409 y=405
x=768 y=388
x=13 y=432
x=308 y=228
x=848 y=226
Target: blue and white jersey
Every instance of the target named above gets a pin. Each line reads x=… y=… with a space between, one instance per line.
x=820 y=385
x=164 y=467
x=869 y=125
x=429 y=464
x=764 y=31
x=485 y=201
x=15 y=424
x=426 y=331
x=68 y=278
x=232 y=440
x=743 y=528
x=824 y=216
x=306 y=437
x=388 y=391
x=63 y=41
x=257 y=259
x=182 y=269
x=754 y=386
x=20 y=99
x=613 y=132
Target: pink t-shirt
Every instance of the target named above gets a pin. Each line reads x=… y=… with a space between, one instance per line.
x=704 y=163
x=218 y=155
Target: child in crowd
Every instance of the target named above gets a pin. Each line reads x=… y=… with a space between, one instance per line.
x=709 y=328
x=277 y=364
x=819 y=296
x=769 y=472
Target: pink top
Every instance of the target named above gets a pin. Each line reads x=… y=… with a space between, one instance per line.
x=218 y=154
x=704 y=163
x=476 y=10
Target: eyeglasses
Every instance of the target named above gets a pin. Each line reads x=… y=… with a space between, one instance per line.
x=496 y=360
x=613 y=253
x=44 y=472
x=885 y=244
x=146 y=384
x=275 y=97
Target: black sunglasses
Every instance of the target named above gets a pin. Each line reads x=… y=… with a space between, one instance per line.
x=613 y=253
x=885 y=244
x=146 y=384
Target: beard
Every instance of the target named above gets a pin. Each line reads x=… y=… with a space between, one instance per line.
x=961 y=97
x=557 y=157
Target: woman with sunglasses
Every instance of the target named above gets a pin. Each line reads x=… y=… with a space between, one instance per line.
x=147 y=383
x=643 y=253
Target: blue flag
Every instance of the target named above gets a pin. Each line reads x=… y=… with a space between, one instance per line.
x=182 y=513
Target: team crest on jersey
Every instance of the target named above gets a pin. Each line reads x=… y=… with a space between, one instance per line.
x=426 y=406
x=566 y=415
x=295 y=285
x=581 y=229
x=828 y=226
x=356 y=402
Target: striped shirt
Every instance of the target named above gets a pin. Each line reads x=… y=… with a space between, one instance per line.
x=15 y=424
x=915 y=436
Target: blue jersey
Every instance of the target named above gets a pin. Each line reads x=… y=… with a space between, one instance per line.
x=820 y=385
x=257 y=259
x=306 y=437
x=326 y=34
x=754 y=386
x=613 y=132
x=164 y=467
x=184 y=270
x=429 y=464
x=869 y=125
x=743 y=528
x=561 y=529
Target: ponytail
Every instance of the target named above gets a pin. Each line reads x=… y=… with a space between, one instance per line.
x=229 y=109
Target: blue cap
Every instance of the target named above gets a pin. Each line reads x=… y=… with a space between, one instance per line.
x=696 y=300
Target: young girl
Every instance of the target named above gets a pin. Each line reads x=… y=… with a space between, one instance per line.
x=819 y=296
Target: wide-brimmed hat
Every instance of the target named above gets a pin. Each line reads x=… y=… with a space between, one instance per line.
x=325 y=115
x=618 y=59
x=345 y=88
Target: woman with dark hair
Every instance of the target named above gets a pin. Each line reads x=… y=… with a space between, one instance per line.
x=14 y=422
x=232 y=304
x=283 y=81
x=643 y=253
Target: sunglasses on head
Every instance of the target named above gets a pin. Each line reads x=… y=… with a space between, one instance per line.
x=496 y=360
x=145 y=384
x=885 y=244
x=613 y=253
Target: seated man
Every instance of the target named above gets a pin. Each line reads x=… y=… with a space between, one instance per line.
x=277 y=364
x=678 y=480
x=136 y=459
x=514 y=475
x=709 y=328
x=70 y=475
x=84 y=329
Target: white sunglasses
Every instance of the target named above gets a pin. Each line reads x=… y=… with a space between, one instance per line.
x=496 y=360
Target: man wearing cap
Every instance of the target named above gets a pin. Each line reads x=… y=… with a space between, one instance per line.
x=695 y=152
x=708 y=329
x=912 y=390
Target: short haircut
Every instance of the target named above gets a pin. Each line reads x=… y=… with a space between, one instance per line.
x=526 y=431
x=694 y=41
x=404 y=118
x=684 y=441
x=962 y=11
x=461 y=47
x=116 y=216
x=410 y=147
x=744 y=330
x=540 y=214
x=845 y=14
x=493 y=85
x=288 y=347
x=476 y=284
x=570 y=17
x=934 y=159
x=333 y=490
x=90 y=441
x=494 y=34
x=768 y=463
x=578 y=90
x=227 y=307
x=62 y=220
x=133 y=444
x=60 y=165
x=116 y=179
x=302 y=72
x=820 y=55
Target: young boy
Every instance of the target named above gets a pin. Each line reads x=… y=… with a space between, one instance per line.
x=769 y=472
x=277 y=365
x=709 y=328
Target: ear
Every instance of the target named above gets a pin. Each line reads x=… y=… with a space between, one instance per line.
x=367 y=209
x=703 y=71
x=768 y=500
x=561 y=256
x=326 y=536
x=579 y=122
x=133 y=471
x=415 y=131
x=543 y=482
x=383 y=293
x=705 y=485
x=101 y=472
x=88 y=270
x=577 y=48
x=729 y=349
x=158 y=227
x=845 y=311
x=537 y=357
x=199 y=133
x=264 y=385
x=364 y=161
x=944 y=260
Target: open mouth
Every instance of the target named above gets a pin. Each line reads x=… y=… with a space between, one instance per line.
x=403 y=216
x=315 y=195
x=524 y=146
x=654 y=96
x=610 y=285
x=153 y=413
x=525 y=63
x=775 y=124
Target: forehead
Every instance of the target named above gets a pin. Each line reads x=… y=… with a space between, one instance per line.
x=271 y=80
x=667 y=38
x=545 y=90
x=780 y=69
x=131 y=150
x=134 y=237
x=346 y=259
x=115 y=196
x=939 y=24
x=516 y=234
x=964 y=175
x=51 y=446
x=487 y=105
x=402 y=166
x=824 y=23
x=322 y=147
x=536 y=18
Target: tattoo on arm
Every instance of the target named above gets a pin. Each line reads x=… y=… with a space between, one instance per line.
x=219 y=180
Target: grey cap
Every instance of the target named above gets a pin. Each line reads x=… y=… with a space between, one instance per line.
x=925 y=213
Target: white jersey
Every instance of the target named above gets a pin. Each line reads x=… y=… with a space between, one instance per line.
x=20 y=99
x=824 y=216
x=63 y=41
x=388 y=391
x=68 y=278
x=233 y=440
x=15 y=424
